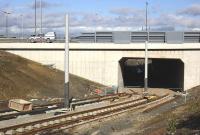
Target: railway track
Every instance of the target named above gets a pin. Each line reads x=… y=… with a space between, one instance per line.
x=38 y=109
x=10 y=114
x=77 y=118
x=124 y=94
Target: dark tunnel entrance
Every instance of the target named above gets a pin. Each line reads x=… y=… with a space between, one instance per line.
x=162 y=73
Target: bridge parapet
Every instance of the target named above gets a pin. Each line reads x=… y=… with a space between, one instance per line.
x=98 y=46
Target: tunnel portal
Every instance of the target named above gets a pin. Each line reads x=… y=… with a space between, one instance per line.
x=162 y=73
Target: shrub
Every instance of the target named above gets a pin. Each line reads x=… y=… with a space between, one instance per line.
x=171 y=125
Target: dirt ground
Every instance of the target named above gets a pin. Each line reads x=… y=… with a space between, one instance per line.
x=152 y=91
x=178 y=117
x=22 y=78
x=182 y=119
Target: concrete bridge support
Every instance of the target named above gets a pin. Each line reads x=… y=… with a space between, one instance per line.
x=100 y=62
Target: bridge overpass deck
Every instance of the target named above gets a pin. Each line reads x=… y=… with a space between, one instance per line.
x=98 y=46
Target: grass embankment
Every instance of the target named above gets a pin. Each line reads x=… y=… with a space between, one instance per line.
x=23 y=78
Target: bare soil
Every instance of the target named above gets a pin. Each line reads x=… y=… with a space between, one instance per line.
x=184 y=116
x=23 y=78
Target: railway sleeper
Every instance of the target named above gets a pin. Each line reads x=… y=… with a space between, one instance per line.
x=37 y=126
x=74 y=117
x=57 y=121
x=85 y=114
x=20 y=130
x=70 y=119
x=10 y=132
x=95 y=113
x=63 y=119
x=29 y=128
x=90 y=113
x=99 y=111
x=106 y=109
x=102 y=110
x=51 y=122
x=118 y=107
x=45 y=124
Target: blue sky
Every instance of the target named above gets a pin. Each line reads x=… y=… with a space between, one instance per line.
x=87 y=15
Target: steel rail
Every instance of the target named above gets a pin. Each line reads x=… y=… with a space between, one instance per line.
x=75 y=114
x=85 y=119
x=38 y=109
x=78 y=118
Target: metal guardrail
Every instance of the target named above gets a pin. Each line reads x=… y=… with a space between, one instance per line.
x=16 y=40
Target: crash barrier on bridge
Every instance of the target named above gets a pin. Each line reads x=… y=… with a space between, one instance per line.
x=25 y=40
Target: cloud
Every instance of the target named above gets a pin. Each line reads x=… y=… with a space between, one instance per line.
x=126 y=11
x=193 y=10
x=91 y=21
x=119 y=19
x=45 y=4
x=179 y=22
x=54 y=20
x=163 y=28
x=4 y=6
x=196 y=29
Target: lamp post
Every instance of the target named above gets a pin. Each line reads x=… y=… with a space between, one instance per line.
x=146 y=53
x=6 y=13
x=41 y=16
x=35 y=17
x=66 y=63
x=95 y=29
x=22 y=27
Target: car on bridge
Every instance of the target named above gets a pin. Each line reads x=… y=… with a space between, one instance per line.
x=48 y=37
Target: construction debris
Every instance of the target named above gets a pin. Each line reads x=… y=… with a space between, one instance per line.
x=20 y=105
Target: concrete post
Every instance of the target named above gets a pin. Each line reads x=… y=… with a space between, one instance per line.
x=40 y=16
x=66 y=68
x=35 y=17
x=146 y=67
x=146 y=54
x=22 y=27
x=6 y=25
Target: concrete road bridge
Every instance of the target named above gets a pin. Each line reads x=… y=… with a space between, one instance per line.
x=175 y=66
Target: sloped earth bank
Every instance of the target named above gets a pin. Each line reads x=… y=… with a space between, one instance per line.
x=182 y=120
x=23 y=78
x=178 y=116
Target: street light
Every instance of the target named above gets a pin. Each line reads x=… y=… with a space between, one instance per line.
x=95 y=28
x=41 y=16
x=6 y=13
x=66 y=63
x=146 y=54
x=22 y=26
x=35 y=17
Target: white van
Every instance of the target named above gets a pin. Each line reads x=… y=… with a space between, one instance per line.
x=50 y=37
